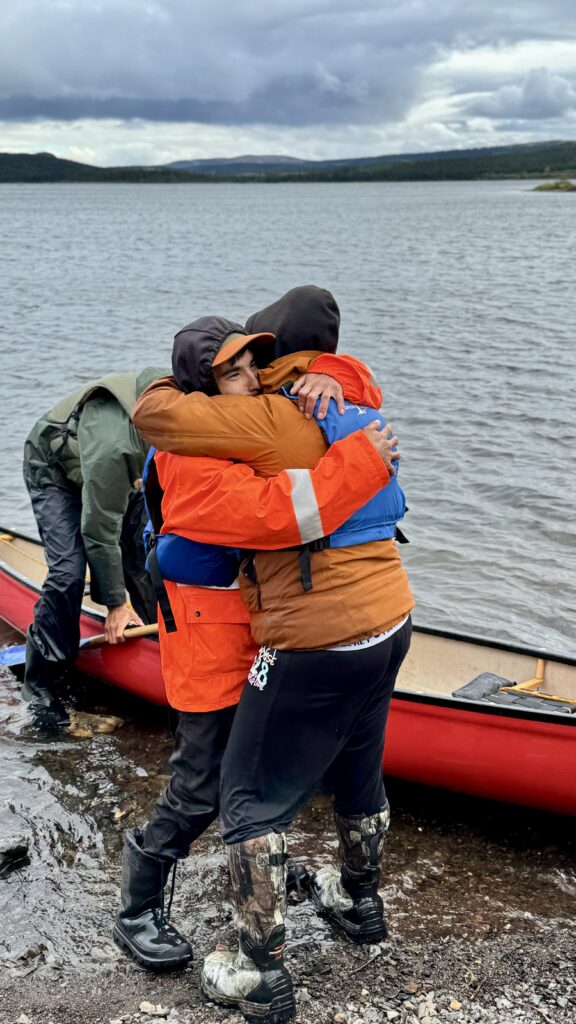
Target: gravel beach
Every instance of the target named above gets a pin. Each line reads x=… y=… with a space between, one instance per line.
x=480 y=898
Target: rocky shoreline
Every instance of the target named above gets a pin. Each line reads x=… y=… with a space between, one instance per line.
x=524 y=978
x=480 y=899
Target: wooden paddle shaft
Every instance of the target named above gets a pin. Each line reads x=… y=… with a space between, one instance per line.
x=132 y=633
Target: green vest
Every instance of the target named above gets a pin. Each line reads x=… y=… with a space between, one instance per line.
x=53 y=439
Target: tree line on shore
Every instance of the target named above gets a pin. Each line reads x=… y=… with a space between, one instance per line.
x=549 y=160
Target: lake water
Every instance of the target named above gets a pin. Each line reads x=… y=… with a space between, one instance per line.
x=460 y=296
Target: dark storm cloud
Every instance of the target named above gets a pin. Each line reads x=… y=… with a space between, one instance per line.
x=291 y=63
x=289 y=101
x=230 y=62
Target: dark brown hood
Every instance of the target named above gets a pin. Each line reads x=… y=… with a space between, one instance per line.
x=306 y=318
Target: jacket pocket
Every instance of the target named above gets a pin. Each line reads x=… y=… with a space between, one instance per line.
x=204 y=606
x=218 y=632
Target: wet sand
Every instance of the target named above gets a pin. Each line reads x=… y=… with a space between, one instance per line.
x=480 y=898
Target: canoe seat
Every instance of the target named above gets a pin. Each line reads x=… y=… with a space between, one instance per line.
x=486 y=687
x=482 y=686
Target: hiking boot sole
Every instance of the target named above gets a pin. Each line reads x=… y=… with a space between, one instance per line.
x=282 y=1007
x=373 y=928
x=151 y=964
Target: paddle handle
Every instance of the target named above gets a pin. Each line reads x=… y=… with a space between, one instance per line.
x=129 y=634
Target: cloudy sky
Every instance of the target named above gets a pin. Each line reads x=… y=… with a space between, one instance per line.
x=149 y=81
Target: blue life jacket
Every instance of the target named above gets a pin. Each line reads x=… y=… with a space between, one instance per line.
x=377 y=519
x=176 y=558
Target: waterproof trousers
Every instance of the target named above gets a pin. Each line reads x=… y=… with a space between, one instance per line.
x=190 y=802
x=55 y=632
x=303 y=714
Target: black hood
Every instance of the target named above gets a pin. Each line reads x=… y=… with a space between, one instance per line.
x=195 y=348
x=305 y=318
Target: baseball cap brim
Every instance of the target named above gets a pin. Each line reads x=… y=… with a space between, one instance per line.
x=234 y=343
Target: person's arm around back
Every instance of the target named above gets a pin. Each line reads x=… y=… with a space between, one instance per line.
x=222 y=426
x=226 y=503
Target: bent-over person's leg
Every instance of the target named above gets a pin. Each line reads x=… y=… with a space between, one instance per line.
x=53 y=638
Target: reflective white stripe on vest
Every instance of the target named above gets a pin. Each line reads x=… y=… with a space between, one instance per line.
x=305 y=505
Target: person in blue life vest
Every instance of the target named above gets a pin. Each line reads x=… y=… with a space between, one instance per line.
x=333 y=623
x=205 y=642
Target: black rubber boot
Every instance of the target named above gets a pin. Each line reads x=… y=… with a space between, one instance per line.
x=254 y=979
x=350 y=896
x=39 y=690
x=142 y=927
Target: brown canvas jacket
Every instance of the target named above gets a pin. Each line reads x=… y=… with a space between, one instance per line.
x=357 y=591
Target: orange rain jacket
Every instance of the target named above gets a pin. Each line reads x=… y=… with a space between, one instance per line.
x=358 y=591
x=206 y=661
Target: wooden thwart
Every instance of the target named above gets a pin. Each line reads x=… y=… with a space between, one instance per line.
x=534 y=686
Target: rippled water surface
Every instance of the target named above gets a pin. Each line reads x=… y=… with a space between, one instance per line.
x=460 y=296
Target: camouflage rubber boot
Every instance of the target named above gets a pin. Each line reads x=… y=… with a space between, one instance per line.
x=254 y=979
x=350 y=896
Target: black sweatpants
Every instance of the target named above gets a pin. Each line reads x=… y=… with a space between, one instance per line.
x=305 y=712
x=55 y=631
x=190 y=802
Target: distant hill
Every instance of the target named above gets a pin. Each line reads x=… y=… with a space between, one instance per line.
x=240 y=164
x=44 y=167
x=281 y=164
x=541 y=160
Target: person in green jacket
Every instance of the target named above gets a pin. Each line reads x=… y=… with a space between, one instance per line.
x=82 y=466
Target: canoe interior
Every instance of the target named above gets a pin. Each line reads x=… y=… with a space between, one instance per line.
x=25 y=557
x=440 y=665
x=436 y=664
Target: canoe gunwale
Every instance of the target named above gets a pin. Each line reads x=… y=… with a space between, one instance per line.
x=484 y=707
x=21 y=536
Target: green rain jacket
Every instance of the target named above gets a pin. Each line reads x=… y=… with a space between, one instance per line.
x=89 y=439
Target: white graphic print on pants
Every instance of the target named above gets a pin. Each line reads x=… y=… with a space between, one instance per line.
x=258 y=674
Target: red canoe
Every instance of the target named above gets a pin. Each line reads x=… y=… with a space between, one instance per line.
x=486 y=718
x=134 y=666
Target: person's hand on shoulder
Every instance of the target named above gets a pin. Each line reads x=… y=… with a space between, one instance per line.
x=313 y=386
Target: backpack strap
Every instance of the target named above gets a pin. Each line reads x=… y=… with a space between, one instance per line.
x=160 y=587
x=304 y=552
x=153 y=500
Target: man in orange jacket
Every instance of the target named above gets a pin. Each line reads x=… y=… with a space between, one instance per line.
x=333 y=639
x=207 y=656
